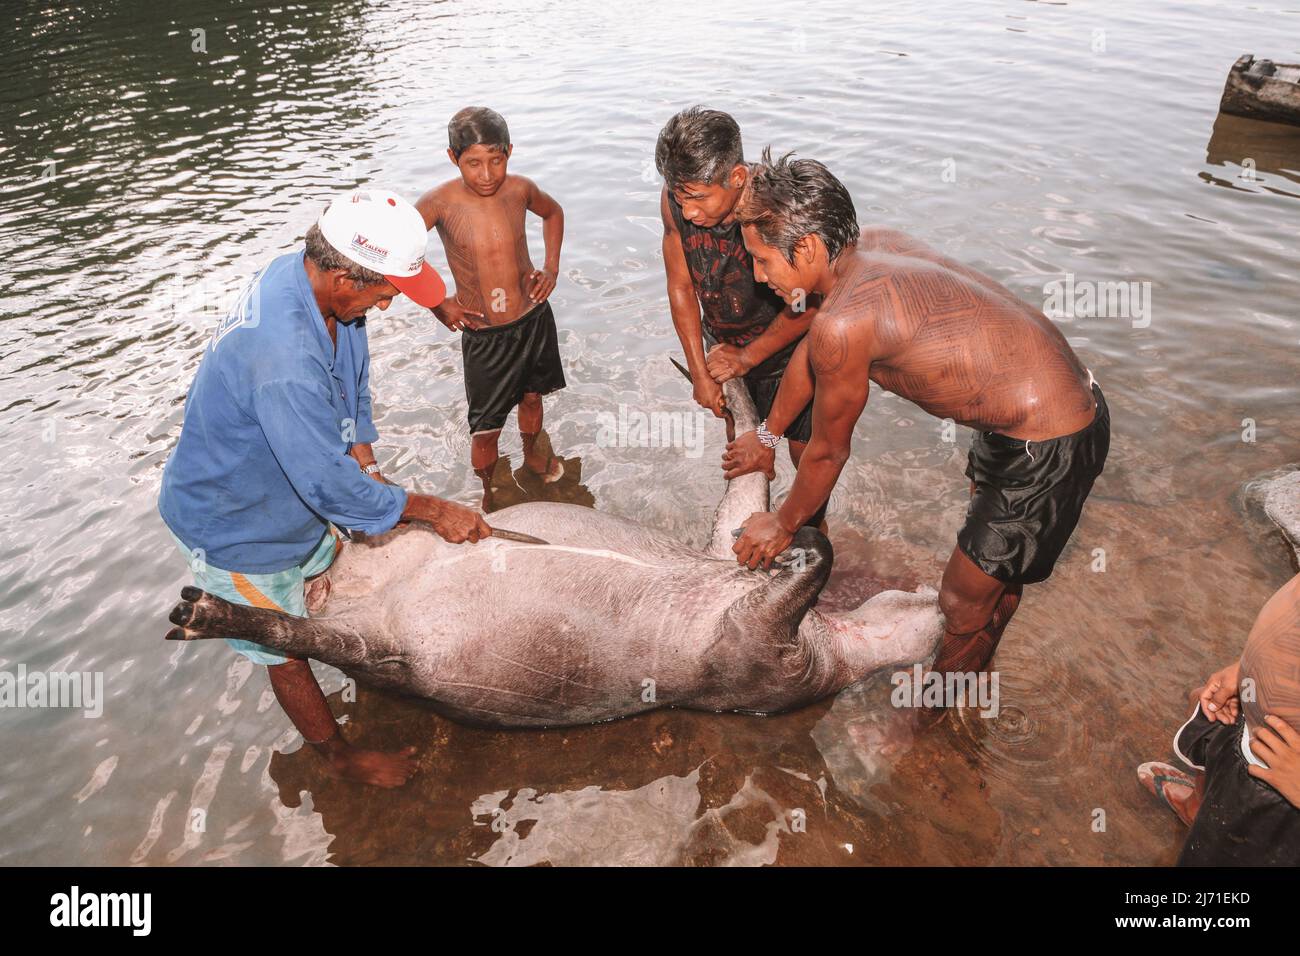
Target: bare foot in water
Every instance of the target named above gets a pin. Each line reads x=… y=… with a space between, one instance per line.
x=375 y=767
x=1174 y=787
x=550 y=468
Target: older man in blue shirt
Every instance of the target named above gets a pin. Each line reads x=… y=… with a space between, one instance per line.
x=275 y=452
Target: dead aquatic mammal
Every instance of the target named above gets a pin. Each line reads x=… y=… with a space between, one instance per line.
x=610 y=618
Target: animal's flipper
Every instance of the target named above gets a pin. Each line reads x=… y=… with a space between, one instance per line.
x=759 y=654
x=746 y=494
x=773 y=612
x=201 y=615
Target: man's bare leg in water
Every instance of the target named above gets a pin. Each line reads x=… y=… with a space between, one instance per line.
x=976 y=610
x=303 y=701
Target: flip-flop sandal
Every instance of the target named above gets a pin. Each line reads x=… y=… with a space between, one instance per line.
x=1157 y=775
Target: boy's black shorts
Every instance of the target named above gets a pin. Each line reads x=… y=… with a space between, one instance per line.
x=1028 y=497
x=1242 y=821
x=502 y=362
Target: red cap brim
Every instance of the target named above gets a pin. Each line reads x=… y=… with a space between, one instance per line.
x=425 y=288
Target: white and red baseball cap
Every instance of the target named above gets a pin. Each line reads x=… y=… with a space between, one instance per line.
x=383 y=232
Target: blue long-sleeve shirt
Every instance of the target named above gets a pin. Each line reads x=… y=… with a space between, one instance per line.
x=262 y=465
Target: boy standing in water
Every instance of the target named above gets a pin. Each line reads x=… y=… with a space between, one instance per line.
x=509 y=344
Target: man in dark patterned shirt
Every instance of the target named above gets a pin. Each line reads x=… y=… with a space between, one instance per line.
x=712 y=291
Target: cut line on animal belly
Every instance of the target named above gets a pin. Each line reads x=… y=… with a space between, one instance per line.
x=602 y=553
x=591 y=552
x=572 y=549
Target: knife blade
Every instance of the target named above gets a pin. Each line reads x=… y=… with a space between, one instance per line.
x=505 y=535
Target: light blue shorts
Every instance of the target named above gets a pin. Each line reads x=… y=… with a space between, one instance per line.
x=280 y=590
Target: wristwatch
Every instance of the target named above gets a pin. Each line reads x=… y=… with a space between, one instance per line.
x=765 y=437
x=371 y=469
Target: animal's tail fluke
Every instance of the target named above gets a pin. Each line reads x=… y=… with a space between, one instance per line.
x=746 y=494
x=741 y=406
x=200 y=615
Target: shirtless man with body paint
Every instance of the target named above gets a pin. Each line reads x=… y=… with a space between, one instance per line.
x=961 y=347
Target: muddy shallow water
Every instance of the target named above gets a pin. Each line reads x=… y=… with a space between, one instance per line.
x=1030 y=140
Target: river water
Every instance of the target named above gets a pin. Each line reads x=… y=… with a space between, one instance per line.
x=146 y=168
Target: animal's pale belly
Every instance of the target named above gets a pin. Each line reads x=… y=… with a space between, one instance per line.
x=606 y=619
x=562 y=600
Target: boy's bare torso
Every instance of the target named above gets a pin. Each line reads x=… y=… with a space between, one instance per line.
x=486 y=245
x=951 y=340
